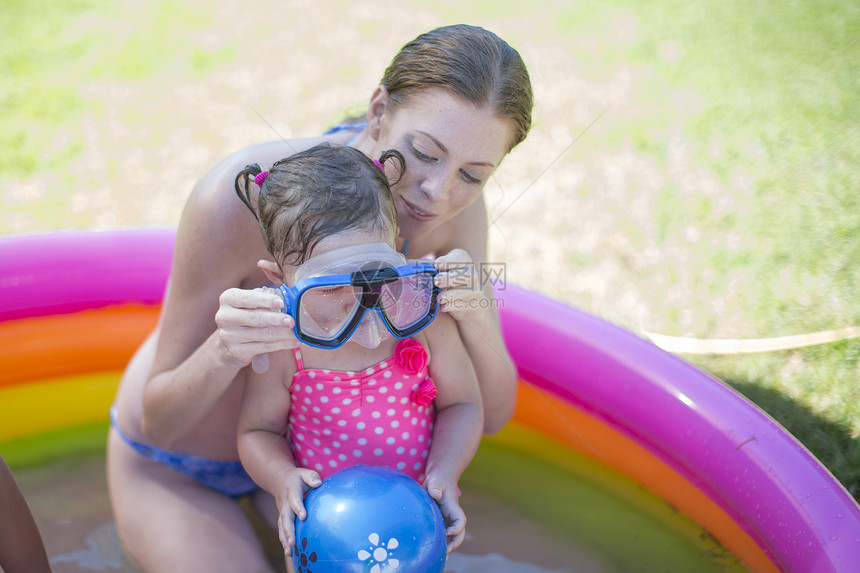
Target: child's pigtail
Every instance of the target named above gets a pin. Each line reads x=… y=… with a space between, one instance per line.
x=398 y=157
x=252 y=172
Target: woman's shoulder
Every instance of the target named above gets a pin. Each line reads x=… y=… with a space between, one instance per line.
x=214 y=215
x=215 y=190
x=263 y=154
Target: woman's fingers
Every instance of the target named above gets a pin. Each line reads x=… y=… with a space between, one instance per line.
x=461 y=288
x=262 y=298
x=456 y=270
x=260 y=363
x=230 y=316
x=250 y=324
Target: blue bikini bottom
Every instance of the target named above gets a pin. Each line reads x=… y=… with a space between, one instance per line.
x=224 y=476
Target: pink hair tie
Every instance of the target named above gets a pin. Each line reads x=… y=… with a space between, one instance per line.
x=380 y=165
x=261 y=178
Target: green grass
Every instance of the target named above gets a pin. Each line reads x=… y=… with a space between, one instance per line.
x=763 y=237
x=36 y=97
x=780 y=84
x=53 y=55
x=779 y=93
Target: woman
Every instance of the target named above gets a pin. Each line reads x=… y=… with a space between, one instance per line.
x=454 y=102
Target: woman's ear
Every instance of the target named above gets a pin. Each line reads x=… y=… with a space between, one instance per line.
x=376 y=111
x=272 y=271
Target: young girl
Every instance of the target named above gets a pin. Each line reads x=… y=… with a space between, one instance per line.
x=352 y=393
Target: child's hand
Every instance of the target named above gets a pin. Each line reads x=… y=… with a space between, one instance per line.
x=445 y=493
x=290 y=501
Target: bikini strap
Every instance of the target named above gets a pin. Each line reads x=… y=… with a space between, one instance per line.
x=355 y=126
x=358 y=127
x=297 y=354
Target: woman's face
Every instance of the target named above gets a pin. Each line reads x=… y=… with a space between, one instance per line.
x=451 y=150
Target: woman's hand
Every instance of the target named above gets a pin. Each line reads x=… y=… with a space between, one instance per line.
x=445 y=493
x=460 y=284
x=290 y=501
x=250 y=325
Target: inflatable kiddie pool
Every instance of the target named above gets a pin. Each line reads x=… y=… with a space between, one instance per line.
x=601 y=414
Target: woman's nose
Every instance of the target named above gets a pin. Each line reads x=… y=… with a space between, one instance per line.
x=434 y=186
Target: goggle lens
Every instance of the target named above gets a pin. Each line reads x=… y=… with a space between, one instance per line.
x=324 y=312
x=328 y=313
x=407 y=301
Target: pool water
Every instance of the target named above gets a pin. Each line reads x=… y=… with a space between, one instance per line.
x=570 y=513
x=526 y=515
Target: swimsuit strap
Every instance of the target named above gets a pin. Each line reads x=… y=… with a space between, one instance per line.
x=297 y=353
x=355 y=126
x=405 y=246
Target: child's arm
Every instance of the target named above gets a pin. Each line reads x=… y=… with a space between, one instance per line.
x=264 y=446
x=459 y=422
x=21 y=547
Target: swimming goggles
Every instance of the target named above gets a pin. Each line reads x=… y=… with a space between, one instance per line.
x=361 y=293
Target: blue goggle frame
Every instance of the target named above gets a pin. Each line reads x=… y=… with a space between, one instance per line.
x=371 y=283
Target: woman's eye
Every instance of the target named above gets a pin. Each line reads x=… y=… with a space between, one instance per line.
x=469 y=178
x=422 y=156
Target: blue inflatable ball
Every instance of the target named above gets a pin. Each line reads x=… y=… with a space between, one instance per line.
x=370 y=519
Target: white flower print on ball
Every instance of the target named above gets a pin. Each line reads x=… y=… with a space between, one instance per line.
x=380 y=554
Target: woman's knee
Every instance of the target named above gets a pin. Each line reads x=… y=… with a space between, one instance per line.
x=167 y=522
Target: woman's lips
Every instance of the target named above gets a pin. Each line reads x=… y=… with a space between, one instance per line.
x=417 y=213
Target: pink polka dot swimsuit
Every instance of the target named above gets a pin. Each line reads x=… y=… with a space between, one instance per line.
x=380 y=416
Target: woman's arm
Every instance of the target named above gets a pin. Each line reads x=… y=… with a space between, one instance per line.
x=209 y=330
x=264 y=448
x=467 y=295
x=458 y=425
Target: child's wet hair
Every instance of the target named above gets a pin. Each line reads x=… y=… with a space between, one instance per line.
x=317 y=193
